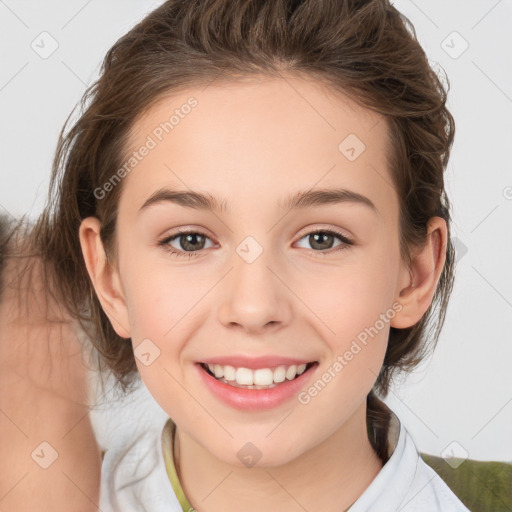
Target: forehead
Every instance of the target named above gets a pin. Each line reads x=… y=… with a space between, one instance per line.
x=259 y=137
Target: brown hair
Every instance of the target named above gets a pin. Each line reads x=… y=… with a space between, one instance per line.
x=365 y=49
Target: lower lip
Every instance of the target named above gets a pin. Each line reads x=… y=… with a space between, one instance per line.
x=255 y=399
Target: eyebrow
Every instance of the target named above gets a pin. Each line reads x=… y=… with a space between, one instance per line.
x=300 y=200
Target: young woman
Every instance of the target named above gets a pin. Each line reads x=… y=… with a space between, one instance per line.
x=250 y=213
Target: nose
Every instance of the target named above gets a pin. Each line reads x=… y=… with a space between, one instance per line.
x=254 y=296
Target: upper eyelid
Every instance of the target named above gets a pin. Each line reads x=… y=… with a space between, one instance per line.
x=337 y=231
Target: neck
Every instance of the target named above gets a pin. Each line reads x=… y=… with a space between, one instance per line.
x=329 y=477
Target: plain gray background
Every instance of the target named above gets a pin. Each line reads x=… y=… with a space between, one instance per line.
x=460 y=401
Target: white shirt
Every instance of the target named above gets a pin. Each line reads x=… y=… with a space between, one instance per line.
x=134 y=476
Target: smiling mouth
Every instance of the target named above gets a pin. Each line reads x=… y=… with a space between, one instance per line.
x=262 y=378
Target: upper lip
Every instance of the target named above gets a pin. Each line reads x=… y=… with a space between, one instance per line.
x=255 y=362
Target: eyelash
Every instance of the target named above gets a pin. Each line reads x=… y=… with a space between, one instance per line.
x=346 y=242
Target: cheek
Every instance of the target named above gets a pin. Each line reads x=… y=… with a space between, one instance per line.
x=359 y=349
x=159 y=307
x=156 y=297
x=355 y=357
x=356 y=305
x=350 y=300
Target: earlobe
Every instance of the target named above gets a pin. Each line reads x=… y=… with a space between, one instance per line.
x=422 y=276
x=104 y=276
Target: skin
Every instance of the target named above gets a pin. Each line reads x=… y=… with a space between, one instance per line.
x=44 y=398
x=252 y=143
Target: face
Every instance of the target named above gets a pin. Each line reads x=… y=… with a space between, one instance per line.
x=259 y=282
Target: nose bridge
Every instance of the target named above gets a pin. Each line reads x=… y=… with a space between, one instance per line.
x=254 y=296
x=251 y=272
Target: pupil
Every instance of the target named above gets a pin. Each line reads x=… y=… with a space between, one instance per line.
x=322 y=245
x=191 y=240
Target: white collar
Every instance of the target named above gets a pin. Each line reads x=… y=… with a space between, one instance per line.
x=392 y=483
x=406 y=483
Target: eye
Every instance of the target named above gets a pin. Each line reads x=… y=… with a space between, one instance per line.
x=322 y=239
x=190 y=242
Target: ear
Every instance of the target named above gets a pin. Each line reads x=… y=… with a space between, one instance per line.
x=418 y=282
x=104 y=276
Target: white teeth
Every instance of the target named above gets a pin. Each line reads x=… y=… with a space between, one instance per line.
x=244 y=376
x=279 y=374
x=263 y=377
x=254 y=378
x=229 y=373
x=291 y=372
